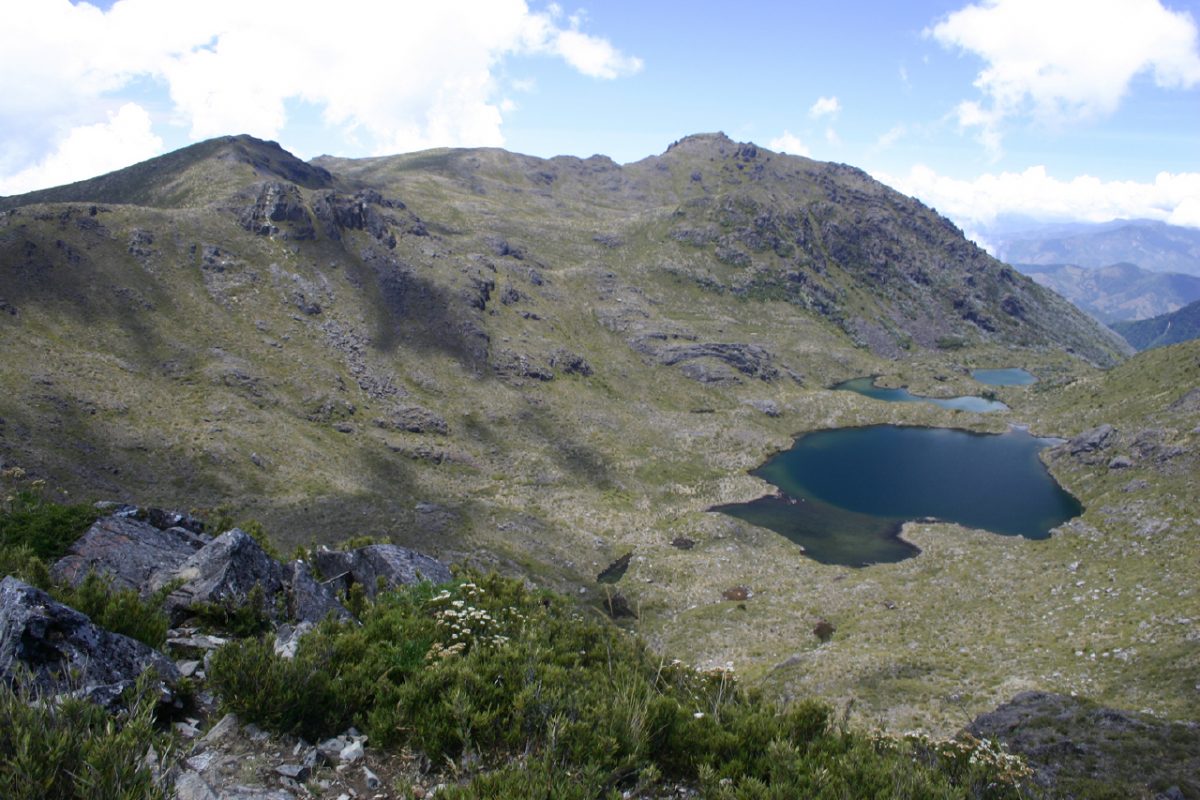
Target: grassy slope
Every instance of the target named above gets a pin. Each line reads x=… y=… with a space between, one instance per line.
x=176 y=382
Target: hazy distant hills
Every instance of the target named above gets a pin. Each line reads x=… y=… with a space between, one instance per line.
x=1118 y=291
x=1151 y=245
x=1177 y=326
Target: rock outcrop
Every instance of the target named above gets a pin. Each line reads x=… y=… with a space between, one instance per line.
x=63 y=651
x=128 y=552
x=380 y=564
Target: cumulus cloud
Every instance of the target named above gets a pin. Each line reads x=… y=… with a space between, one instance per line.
x=787 y=142
x=1172 y=197
x=1063 y=60
x=91 y=150
x=389 y=76
x=593 y=56
x=825 y=107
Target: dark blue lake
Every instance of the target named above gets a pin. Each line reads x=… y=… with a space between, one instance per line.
x=867 y=388
x=845 y=493
x=1010 y=376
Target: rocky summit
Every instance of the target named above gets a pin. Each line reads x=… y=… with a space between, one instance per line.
x=549 y=367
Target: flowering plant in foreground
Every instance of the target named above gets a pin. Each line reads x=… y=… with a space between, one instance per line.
x=961 y=755
x=463 y=625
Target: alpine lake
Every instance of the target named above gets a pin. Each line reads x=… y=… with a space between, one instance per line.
x=844 y=494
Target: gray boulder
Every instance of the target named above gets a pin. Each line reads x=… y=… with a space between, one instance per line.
x=63 y=651
x=312 y=601
x=224 y=572
x=127 y=551
x=387 y=563
x=1092 y=440
x=414 y=419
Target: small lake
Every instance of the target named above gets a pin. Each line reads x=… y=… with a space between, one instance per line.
x=1010 y=376
x=845 y=493
x=867 y=388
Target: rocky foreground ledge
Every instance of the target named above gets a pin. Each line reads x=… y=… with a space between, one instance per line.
x=58 y=651
x=208 y=587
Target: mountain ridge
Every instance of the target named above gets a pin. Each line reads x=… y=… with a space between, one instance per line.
x=540 y=365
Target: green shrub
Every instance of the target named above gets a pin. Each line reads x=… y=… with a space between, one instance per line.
x=300 y=696
x=46 y=528
x=120 y=611
x=244 y=618
x=74 y=749
x=22 y=562
x=485 y=673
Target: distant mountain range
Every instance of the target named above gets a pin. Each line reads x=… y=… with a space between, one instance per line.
x=1173 y=328
x=1153 y=246
x=1118 y=292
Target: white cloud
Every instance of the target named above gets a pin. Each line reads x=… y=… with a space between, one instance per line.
x=1062 y=60
x=593 y=56
x=91 y=150
x=825 y=107
x=787 y=142
x=832 y=137
x=390 y=76
x=1172 y=197
x=890 y=137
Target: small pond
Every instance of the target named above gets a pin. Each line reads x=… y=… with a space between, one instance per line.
x=1011 y=376
x=844 y=493
x=867 y=388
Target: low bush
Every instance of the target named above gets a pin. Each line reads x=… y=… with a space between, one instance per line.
x=26 y=520
x=120 y=611
x=528 y=697
x=70 y=748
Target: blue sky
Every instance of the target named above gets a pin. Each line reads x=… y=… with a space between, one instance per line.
x=1057 y=109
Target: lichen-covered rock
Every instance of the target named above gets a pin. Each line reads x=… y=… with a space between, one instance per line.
x=369 y=566
x=414 y=419
x=310 y=600
x=1091 y=440
x=224 y=571
x=63 y=651
x=276 y=203
x=127 y=551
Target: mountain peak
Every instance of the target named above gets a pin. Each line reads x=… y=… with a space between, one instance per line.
x=196 y=175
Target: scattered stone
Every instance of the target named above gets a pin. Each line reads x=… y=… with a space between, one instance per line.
x=351 y=753
x=226 y=727
x=371 y=779
x=570 y=363
x=187 y=668
x=190 y=786
x=737 y=593
x=295 y=772
x=64 y=652
x=1120 y=462
x=768 y=407
x=287 y=638
x=186 y=730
